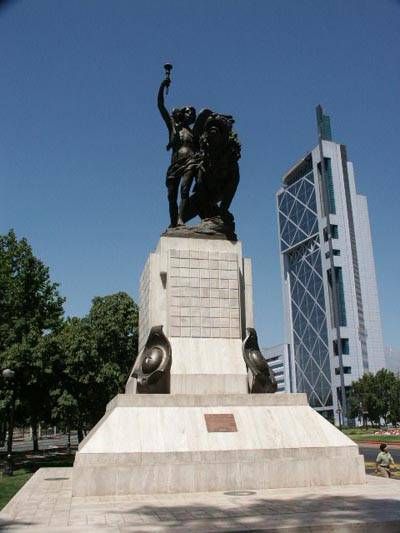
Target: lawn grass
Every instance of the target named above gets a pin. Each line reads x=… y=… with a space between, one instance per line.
x=10 y=485
x=26 y=463
x=370 y=469
x=375 y=438
x=362 y=435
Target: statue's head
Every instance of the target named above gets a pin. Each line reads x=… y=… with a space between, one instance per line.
x=217 y=129
x=184 y=115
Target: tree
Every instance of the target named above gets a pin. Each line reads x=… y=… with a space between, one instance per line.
x=30 y=309
x=385 y=382
x=114 y=322
x=376 y=395
x=394 y=401
x=98 y=353
x=75 y=394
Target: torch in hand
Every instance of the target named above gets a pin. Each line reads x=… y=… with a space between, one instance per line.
x=168 y=68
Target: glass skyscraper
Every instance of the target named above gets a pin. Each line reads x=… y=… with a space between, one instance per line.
x=331 y=303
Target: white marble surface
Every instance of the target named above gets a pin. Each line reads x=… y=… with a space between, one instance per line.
x=207 y=400
x=156 y=446
x=207 y=366
x=200 y=291
x=183 y=429
x=161 y=443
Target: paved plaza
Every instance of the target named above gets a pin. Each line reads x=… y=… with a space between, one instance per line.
x=45 y=503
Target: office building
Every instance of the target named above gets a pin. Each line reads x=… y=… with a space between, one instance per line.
x=278 y=361
x=332 y=318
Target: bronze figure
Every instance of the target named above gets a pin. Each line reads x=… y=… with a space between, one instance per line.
x=152 y=366
x=262 y=378
x=181 y=170
x=206 y=155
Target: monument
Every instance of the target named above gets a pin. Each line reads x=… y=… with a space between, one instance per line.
x=199 y=412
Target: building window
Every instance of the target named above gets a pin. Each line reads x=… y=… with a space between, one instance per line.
x=341 y=302
x=340 y=296
x=345 y=347
x=334 y=252
x=329 y=186
x=330 y=191
x=346 y=370
x=334 y=234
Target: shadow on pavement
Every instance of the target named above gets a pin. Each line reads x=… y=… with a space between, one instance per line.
x=313 y=513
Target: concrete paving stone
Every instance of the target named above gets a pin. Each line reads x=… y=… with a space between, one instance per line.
x=132 y=518
x=218 y=514
x=57 y=522
x=200 y=514
x=59 y=518
x=317 y=508
x=77 y=521
x=164 y=516
x=114 y=518
x=23 y=517
x=61 y=507
x=64 y=500
x=98 y=520
x=80 y=516
x=151 y=516
x=181 y=515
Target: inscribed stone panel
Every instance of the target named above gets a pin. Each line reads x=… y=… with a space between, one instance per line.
x=203 y=296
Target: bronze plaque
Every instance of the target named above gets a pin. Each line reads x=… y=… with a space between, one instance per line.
x=224 y=422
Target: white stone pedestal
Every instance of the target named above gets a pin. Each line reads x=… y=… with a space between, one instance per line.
x=200 y=291
x=208 y=433
x=148 y=444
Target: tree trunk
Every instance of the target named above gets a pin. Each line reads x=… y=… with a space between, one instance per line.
x=69 y=439
x=80 y=434
x=35 y=439
x=11 y=424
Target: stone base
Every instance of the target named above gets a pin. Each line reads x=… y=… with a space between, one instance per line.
x=200 y=292
x=148 y=444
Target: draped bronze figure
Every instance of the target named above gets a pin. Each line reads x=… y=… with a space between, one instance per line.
x=204 y=168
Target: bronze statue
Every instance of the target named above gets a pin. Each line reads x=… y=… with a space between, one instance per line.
x=261 y=377
x=206 y=154
x=181 y=142
x=152 y=367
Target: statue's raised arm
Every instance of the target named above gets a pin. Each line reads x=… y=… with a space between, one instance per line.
x=161 y=105
x=181 y=171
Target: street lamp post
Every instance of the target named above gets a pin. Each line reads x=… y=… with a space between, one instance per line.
x=339 y=412
x=9 y=375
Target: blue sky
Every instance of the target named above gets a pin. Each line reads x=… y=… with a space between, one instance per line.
x=82 y=146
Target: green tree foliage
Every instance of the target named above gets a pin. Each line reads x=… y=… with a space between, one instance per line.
x=65 y=371
x=74 y=395
x=394 y=402
x=30 y=309
x=113 y=320
x=98 y=353
x=377 y=395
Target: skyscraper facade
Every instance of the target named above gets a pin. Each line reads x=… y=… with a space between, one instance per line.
x=278 y=361
x=332 y=318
